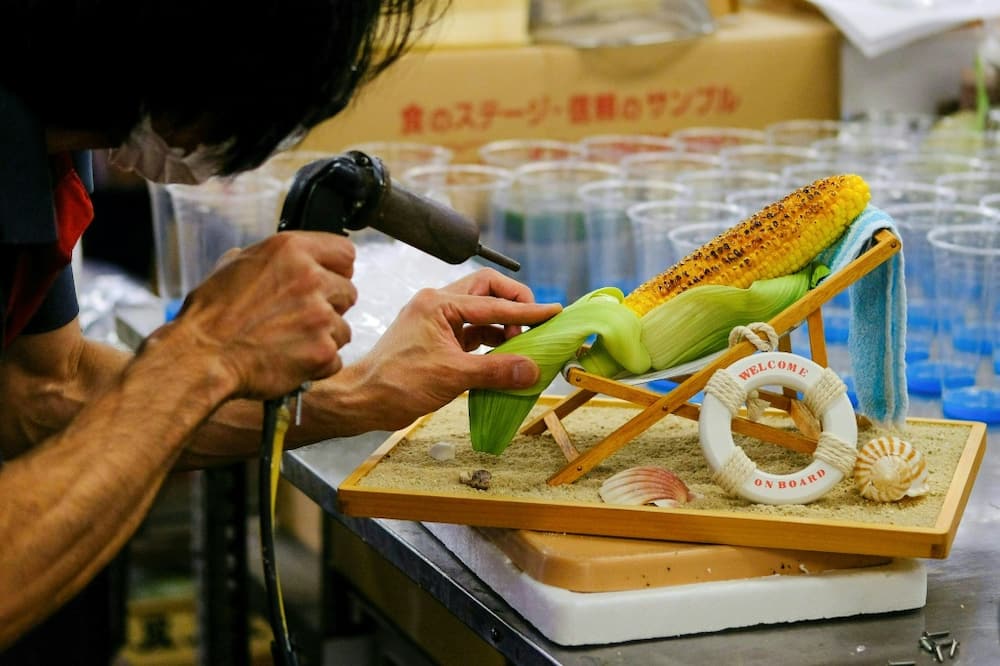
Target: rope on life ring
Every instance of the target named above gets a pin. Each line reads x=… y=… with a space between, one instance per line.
x=823 y=393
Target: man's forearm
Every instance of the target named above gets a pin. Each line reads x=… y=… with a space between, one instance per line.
x=71 y=502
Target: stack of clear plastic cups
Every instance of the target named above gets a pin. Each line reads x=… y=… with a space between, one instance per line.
x=610 y=245
x=219 y=215
x=467 y=188
x=795 y=176
x=542 y=217
x=667 y=166
x=967 y=261
x=890 y=191
x=970 y=186
x=770 y=158
x=714 y=184
x=911 y=126
x=756 y=199
x=286 y=164
x=514 y=153
x=612 y=148
x=927 y=167
x=398 y=156
x=652 y=223
x=712 y=140
x=923 y=342
x=166 y=250
x=802 y=131
x=991 y=202
x=864 y=151
x=956 y=141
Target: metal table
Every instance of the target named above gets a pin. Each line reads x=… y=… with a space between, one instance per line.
x=963 y=594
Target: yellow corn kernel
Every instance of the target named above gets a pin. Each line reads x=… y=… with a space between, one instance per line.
x=779 y=240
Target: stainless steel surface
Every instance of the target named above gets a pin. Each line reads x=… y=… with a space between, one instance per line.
x=963 y=591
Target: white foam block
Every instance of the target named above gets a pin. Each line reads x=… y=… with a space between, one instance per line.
x=587 y=618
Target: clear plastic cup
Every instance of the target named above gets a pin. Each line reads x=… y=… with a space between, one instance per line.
x=610 y=246
x=612 y=148
x=715 y=184
x=286 y=164
x=967 y=259
x=667 y=166
x=956 y=141
x=928 y=167
x=923 y=342
x=687 y=238
x=908 y=125
x=889 y=192
x=398 y=156
x=652 y=222
x=971 y=186
x=165 y=248
x=219 y=215
x=756 y=199
x=770 y=158
x=542 y=217
x=711 y=140
x=466 y=188
x=862 y=151
x=514 y=153
x=802 y=131
x=991 y=202
x=798 y=175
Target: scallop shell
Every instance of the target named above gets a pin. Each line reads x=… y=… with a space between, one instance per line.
x=888 y=469
x=647 y=484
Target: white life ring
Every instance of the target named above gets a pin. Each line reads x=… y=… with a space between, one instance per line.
x=784 y=369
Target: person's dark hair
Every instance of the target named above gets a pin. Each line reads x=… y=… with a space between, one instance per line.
x=251 y=73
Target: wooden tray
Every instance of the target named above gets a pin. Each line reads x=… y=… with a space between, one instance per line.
x=835 y=535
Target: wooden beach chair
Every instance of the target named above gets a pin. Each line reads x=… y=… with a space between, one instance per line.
x=655 y=406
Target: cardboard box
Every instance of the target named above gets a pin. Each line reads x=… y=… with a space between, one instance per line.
x=760 y=67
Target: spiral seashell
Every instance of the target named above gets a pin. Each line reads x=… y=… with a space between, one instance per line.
x=888 y=469
x=645 y=485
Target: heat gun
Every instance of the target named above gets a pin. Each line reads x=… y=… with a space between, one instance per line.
x=349 y=192
x=353 y=191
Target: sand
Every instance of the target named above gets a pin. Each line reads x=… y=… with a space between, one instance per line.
x=522 y=469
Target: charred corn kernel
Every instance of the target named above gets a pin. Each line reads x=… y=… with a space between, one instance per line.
x=779 y=240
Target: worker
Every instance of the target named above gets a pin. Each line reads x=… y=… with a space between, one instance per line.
x=182 y=90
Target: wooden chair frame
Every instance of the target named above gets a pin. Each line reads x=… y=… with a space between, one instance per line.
x=656 y=406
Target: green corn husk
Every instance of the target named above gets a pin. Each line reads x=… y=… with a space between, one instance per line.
x=697 y=322
x=495 y=416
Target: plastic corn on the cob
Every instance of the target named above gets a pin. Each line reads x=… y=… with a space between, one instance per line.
x=779 y=240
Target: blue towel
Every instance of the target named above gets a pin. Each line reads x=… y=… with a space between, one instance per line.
x=877 y=338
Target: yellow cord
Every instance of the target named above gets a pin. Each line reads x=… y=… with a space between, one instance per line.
x=277 y=446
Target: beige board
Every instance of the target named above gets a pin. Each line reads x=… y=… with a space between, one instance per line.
x=607 y=564
x=397 y=481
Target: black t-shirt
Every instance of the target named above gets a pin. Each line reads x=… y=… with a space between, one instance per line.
x=90 y=628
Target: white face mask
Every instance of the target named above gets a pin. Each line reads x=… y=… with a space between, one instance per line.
x=147 y=154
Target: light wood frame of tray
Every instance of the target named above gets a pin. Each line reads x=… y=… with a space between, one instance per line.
x=672 y=524
x=655 y=406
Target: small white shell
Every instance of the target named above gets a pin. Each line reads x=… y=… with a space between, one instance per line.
x=442 y=451
x=645 y=485
x=888 y=469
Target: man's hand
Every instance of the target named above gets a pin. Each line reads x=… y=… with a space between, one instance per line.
x=422 y=362
x=272 y=314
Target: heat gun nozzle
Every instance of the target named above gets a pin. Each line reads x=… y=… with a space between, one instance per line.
x=498 y=258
